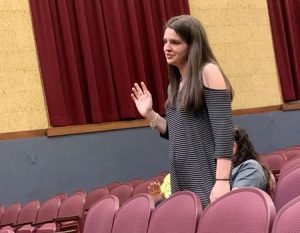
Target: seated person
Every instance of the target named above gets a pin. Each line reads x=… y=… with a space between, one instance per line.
x=160 y=192
x=248 y=171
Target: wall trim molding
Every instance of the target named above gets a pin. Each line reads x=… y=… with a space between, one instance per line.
x=249 y=111
x=23 y=134
x=89 y=128
x=291 y=106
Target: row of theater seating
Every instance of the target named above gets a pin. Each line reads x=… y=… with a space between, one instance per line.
x=287 y=185
x=245 y=210
x=61 y=207
x=285 y=165
x=275 y=160
x=234 y=209
x=77 y=206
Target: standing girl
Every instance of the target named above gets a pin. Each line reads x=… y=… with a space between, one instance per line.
x=198 y=120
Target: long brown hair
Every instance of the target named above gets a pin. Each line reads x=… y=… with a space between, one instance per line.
x=199 y=54
x=246 y=151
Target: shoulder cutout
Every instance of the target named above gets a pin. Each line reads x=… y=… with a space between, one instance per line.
x=213 y=77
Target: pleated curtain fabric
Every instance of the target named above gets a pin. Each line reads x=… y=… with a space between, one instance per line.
x=284 y=19
x=91 y=52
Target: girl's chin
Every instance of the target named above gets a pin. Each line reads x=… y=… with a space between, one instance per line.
x=170 y=62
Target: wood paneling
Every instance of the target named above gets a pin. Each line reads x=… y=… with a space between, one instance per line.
x=79 y=129
x=23 y=134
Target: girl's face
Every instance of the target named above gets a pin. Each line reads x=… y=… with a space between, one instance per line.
x=175 y=49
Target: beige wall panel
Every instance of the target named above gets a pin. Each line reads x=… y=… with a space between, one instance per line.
x=239 y=33
x=22 y=105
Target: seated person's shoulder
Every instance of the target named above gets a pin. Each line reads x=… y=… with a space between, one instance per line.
x=249 y=174
x=251 y=162
x=213 y=77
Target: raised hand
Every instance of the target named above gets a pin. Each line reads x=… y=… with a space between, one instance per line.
x=155 y=191
x=142 y=99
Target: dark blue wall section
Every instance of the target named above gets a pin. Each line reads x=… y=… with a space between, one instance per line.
x=41 y=167
x=272 y=131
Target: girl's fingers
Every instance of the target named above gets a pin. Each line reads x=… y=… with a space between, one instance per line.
x=133 y=97
x=135 y=92
x=139 y=90
x=144 y=87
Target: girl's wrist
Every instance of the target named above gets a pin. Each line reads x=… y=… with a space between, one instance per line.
x=154 y=122
x=222 y=179
x=150 y=116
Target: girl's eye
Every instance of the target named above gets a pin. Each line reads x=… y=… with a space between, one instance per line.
x=175 y=42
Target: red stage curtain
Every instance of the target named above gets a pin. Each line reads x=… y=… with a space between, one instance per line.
x=92 y=51
x=285 y=24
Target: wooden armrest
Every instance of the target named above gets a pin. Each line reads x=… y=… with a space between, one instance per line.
x=65 y=219
x=68 y=224
x=41 y=223
x=5 y=225
x=21 y=224
x=67 y=231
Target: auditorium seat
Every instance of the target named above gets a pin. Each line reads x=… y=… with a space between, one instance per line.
x=123 y=192
x=69 y=217
x=134 y=215
x=2 y=208
x=291 y=153
x=287 y=188
x=136 y=181
x=289 y=166
x=177 y=214
x=95 y=195
x=274 y=162
x=27 y=215
x=113 y=185
x=10 y=215
x=101 y=215
x=243 y=210
x=47 y=213
x=287 y=219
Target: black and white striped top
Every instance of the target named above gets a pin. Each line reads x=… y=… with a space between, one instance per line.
x=196 y=139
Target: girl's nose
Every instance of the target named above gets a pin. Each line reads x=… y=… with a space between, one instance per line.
x=167 y=46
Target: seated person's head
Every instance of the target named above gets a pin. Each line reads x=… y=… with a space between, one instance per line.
x=243 y=148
